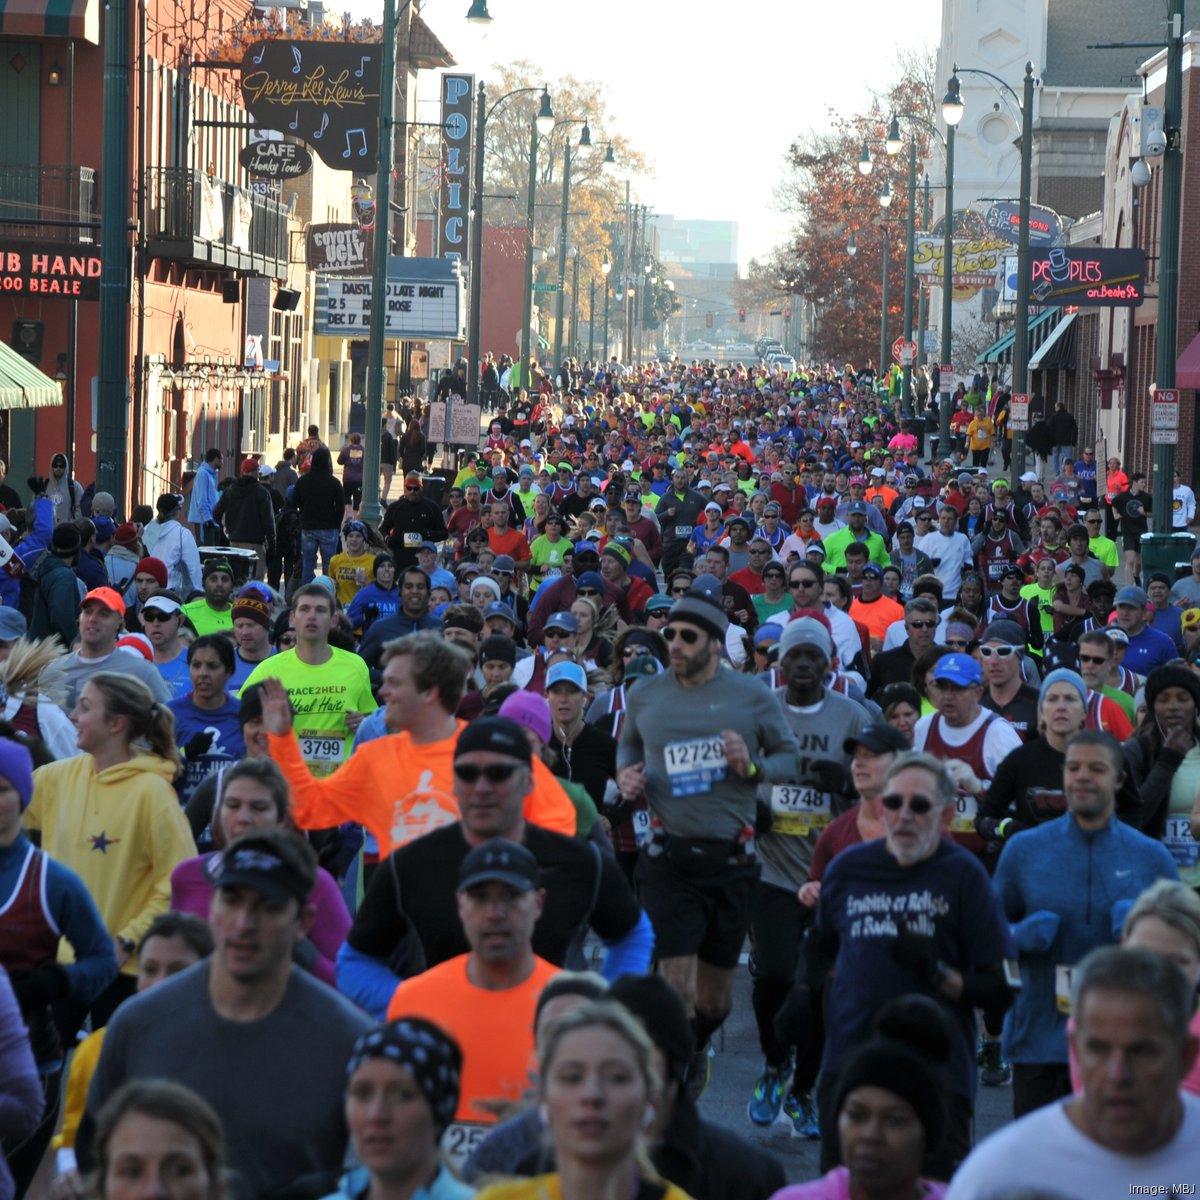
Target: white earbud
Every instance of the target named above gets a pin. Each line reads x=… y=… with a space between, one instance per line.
x=648 y=1116
x=544 y=1113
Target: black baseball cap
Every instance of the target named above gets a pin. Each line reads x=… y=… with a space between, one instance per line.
x=258 y=862
x=499 y=861
x=879 y=739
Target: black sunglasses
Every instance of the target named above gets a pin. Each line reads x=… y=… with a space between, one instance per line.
x=587 y=591
x=919 y=806
x=493 y=772
x=154 y=615
x=799 y=583
x=689 y=637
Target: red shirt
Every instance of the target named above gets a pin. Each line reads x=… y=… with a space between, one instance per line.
x=511 y=542
x=840 y=834
x=752 y=581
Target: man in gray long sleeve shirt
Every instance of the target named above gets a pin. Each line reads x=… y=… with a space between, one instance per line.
x=262 y=1041
x=698 y=741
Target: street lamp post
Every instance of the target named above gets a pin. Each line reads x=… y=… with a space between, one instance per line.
x=1168 y=261
x=1020 y=363
x=592 y=322
x=573 y=345
x=885 y=202
x=952 y=113
x=474 y=331
x=542 y=123
x=923 y=291
x=605 y=267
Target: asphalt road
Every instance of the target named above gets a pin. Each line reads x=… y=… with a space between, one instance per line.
x=735 y=1068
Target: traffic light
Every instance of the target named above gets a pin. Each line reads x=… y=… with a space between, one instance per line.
x=742 y=315
x=708 y=320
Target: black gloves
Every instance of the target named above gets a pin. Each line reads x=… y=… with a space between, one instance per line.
x=38 y=986
x=915 y=951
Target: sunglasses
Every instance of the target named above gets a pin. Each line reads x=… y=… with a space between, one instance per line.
x=997 y=651
x=587 y=591
x=1092 y=521
x=922 y=624
x=803 y=583
x=555 y=633
x=154 y=615
x=689 y=637
x=1098 y=659
x=288 y=639
x=919 y=806
x=412 y=488
x=680 y=591
x=493 y=772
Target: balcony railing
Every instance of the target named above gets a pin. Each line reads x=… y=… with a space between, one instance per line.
x=51 y=204
x=192 y=218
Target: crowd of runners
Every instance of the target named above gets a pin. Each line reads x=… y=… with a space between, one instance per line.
x=423 y=858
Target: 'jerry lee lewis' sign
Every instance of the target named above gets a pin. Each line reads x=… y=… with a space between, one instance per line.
x=50 y=269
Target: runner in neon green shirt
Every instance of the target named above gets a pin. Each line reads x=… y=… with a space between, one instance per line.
x=330 y=689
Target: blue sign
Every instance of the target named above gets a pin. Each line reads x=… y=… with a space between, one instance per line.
x=1045 y=225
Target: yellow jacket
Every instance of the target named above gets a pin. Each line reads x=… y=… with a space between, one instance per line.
x=549 y=1187
x=83 y=1066
x=121 y=830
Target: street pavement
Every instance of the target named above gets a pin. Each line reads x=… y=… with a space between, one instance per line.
x=735 y=1068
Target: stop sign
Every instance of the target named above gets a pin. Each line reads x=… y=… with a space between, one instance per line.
x=904 y=352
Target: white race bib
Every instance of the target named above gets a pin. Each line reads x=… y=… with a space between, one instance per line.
x=319 y=749
x=412 y=540
x=460 y=1140
x=684 y=531
x=966 y=808
x=693 y=766
x=641 y=826
x=798 y=810
x=1062 y=988
x=1177 y=837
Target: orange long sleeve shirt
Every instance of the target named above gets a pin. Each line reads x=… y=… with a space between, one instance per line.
x=400 y=791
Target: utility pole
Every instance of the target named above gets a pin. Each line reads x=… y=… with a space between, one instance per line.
x=530 y=209
x=1020 y=379
x=1168 y=261
x=947 y=299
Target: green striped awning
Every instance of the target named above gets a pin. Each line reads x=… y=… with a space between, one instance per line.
x=22 y=385
x=52 y=18
x=1001 y=351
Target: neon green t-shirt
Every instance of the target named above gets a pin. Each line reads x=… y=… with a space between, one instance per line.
x=1105 y=549
x=205 y=619
x=321 y=696
x=545 y=553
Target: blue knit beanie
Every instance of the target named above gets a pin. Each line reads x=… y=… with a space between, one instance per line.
x=16 y=766
x=1063 y=675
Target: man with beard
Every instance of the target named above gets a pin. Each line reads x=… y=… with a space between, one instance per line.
x=698 y=873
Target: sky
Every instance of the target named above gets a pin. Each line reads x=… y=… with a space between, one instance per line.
x=700 y=86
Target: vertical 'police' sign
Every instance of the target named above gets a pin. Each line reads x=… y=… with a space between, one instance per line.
x=454 y=206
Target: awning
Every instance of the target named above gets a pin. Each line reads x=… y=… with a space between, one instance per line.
x=1002 y=351
x=1057 y=352
x=1187 y=366
x=22 y=385
x=52 y=18
x=425 y=50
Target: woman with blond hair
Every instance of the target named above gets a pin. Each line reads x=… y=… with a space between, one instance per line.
x=598 y=1084
x=111 y=815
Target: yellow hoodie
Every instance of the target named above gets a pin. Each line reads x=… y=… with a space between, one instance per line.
x=121 y=830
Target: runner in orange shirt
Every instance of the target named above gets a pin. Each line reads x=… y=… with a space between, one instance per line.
x=486 y=999
x=401 y=786
x=873 y=609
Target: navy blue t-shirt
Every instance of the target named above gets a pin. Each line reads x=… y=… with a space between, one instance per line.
x=948 y=896
x=226 y=748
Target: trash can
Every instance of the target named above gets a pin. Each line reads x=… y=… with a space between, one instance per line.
x=1170 y=553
